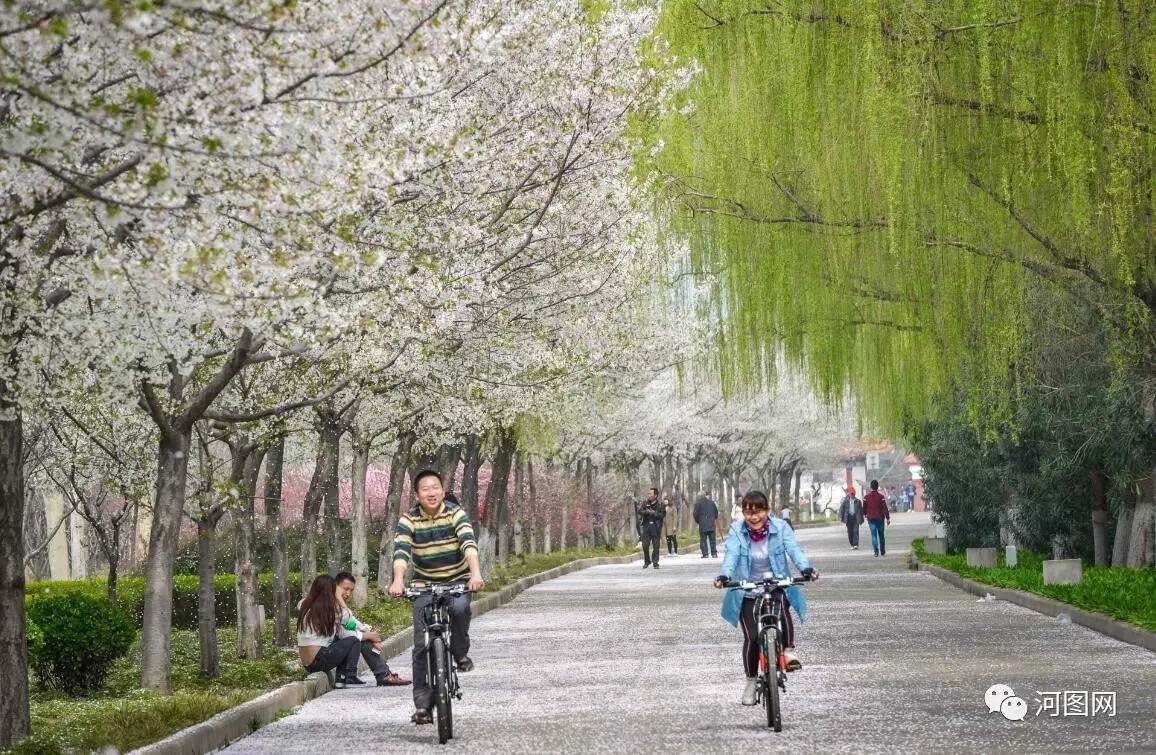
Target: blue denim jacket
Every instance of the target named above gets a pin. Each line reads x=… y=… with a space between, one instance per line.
x=737 y=564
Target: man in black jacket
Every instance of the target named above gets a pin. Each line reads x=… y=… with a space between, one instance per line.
x=650 y=516
x=706 y=517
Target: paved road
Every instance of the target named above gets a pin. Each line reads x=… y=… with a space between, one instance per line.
x=617 y=659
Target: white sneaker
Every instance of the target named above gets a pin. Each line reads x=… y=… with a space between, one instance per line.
x=749 y=692
x=793 y=662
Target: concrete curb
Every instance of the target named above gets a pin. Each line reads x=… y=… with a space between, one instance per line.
x=228 y=726
x=1117 y=630
x=241 y=721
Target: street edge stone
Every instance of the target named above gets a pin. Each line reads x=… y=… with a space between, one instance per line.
x=236 y=723
x=1117 y=630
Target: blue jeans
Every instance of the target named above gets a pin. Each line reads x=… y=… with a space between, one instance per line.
x=878 y=541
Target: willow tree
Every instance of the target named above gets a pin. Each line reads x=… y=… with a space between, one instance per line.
x=877 y=186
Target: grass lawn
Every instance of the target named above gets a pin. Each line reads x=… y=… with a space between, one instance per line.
x=125 y=717
x=1124 y=594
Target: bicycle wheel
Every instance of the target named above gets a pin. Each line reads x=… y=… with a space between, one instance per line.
x=771 y=681
x=442 y=705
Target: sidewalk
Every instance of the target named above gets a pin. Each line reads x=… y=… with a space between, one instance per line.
x=618 y=659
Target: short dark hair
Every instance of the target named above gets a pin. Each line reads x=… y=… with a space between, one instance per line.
x=417 y=478
x=756 y=500
x=652 y=490
x=875 y=484
x=451 y=498
x=344 y=576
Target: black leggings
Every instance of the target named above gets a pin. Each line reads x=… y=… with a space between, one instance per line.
x=750 y=626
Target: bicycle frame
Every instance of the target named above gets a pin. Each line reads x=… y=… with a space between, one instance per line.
x=437 y=624
x=768 y=613
x=442 y=673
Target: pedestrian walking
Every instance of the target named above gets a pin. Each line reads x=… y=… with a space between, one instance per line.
x=876 y=511
x=670 y=524
x=706 y=516
x=650 y=516
x=851 y=514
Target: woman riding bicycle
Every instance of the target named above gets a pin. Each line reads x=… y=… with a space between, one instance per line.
x=757 y=544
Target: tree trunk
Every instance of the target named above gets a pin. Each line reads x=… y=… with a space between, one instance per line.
x=521 y=516
x=112 y=552
x=532 y=538
x=503 y=531
x=275 y=525
x=472 y=456
x=1123 y=532
x=564 y=524
x=798 y=485
x=37 y=534
x=397 y=471
x=359 y=548
x=172 y=469
x=1099 y=516
x=1142 y=539
x=333 y=560
x=248 y=618
x=15 y=722
x=499 y=478
x=327 y=440
x=786 y=476
x=448 y=459
x=541 y=517
x=206 y=599
x=597 y=523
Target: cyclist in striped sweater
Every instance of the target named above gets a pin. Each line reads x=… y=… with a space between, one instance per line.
x=438 y=540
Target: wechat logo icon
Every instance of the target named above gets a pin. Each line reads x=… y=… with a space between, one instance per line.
x=1001 y=698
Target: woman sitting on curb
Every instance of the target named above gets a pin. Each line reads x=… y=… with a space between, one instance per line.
x=317 y=643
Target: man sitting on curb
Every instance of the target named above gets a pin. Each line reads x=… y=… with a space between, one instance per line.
x=349 y=626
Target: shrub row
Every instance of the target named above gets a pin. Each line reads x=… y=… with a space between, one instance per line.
x=130 y=596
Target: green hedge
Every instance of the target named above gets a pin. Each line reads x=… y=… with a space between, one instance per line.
x=1124 y=594
x=130 y=595
x=85 y=635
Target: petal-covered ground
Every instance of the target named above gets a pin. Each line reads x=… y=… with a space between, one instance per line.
x=621 y=659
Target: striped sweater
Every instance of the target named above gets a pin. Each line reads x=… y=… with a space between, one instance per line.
x=435 y=545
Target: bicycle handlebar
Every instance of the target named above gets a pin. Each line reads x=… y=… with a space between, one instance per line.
x=454 y=588
x=766 y=582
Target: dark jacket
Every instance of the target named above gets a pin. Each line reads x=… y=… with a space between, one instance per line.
x=875 y=506
x=851 y=507
x=706 y=514
x=650 y=516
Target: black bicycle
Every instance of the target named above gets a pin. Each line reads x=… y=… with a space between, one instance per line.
x=443 y=674
x=768 y=610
